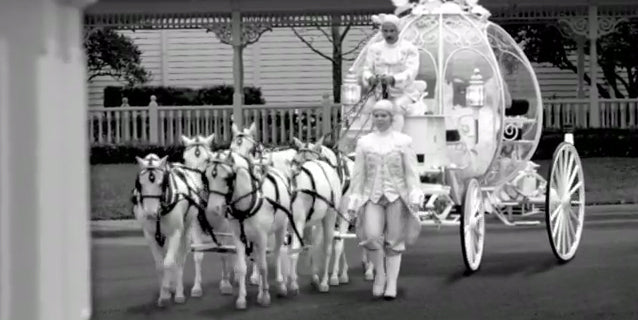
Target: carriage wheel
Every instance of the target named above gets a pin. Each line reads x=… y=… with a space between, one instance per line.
x=472 y=226
x=565 y=202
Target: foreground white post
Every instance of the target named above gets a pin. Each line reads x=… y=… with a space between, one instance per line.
x=44 y=200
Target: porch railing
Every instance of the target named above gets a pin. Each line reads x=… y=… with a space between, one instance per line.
x=278 y=124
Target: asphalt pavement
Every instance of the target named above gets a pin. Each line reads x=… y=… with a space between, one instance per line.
x=519 y=279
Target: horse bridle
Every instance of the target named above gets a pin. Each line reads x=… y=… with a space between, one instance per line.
x=215 y=163
x=139 y=198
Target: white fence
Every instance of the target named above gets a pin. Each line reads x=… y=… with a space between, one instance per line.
x=277 y=124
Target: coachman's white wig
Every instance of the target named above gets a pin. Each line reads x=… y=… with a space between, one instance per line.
x=386 y=18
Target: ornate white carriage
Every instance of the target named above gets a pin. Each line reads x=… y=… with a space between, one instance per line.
x=476 y=127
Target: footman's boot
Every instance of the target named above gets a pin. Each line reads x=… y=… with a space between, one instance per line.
x=393 y=265
x=379 y=277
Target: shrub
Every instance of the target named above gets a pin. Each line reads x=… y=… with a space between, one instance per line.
x=178 y=96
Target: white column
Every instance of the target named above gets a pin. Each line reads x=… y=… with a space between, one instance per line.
x=44 y=199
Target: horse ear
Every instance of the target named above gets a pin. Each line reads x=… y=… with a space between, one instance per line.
x=234 y=129
x=140 y=162
x=163 y=162
x=319 y=143
x=208 y=140
x=297 y=144
x=186 y=140
x=252 y=129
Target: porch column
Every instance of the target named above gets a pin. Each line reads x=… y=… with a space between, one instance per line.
x=580 y=43
x=590 y=27
x=594 y=105
x=238 y=66
x=44 y=167
x=242 y=33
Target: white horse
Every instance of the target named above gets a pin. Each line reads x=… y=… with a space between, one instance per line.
x=196 y=154
x=344 y=166
x=316 y=196
x=165 y=205
x=244 y=143
x=256 y=206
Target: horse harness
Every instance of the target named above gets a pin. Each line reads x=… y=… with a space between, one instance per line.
x=168 y=197
x=312 y=192
x=257 y=199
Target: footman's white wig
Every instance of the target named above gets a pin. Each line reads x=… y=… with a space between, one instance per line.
x=384 y=105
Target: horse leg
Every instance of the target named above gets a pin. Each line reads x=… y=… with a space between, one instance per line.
x=343 y=277
x=240 y=273
x=158 y=257
x=279 y=253
x=328 y=238
x=225 y=287
x=368 y=266
x=182 y=254
x=338 y=255
x=170 y=266
x=198 y=257
x=295 y=247
x=254 y=276
x=263 y=297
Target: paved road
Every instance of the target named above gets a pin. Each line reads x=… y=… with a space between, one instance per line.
x=519 y=279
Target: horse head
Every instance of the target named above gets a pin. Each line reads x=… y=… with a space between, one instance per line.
x=308 y=152
x=197 y=151
x=244 y=141
x=151 y=184
x=231 y=181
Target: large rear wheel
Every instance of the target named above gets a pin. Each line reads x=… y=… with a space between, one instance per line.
x=565 y=202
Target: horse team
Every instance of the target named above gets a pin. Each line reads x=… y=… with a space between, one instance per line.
x=250 y=201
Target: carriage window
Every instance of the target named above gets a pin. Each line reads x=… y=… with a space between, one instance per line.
x=427 y=72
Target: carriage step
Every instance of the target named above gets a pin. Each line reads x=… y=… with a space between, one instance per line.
x=444 y=223
x=339 y=236
x=527 y=223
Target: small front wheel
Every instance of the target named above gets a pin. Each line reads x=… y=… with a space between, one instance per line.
x=472 y=226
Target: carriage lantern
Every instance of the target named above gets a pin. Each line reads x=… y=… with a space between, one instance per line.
x=475 y=97
x=350 y=90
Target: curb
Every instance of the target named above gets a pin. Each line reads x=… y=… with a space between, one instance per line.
x=130 y=228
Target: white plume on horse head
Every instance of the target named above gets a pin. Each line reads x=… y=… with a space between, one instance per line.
x=151 y=161
x=197 y=150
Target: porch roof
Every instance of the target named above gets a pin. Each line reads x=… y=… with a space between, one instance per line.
x=169 y=14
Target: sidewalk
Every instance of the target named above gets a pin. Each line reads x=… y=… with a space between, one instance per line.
x=130 y=227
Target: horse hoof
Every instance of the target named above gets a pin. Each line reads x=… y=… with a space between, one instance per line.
x=240 y=304
x=162 y=302
x=334 y=281
x=344 y=279
x=180 y=299
x=196 y=292
x=265 y=300
x=324 y=287
x=226 y=289
x=369 y=276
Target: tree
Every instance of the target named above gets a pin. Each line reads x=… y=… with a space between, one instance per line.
x=112 y=54
x=545 y=43
x=336 y=36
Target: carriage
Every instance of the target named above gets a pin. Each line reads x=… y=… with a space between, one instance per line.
x=475 y=128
